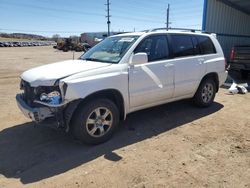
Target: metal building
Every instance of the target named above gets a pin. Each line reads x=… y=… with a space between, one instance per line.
x=230 y=20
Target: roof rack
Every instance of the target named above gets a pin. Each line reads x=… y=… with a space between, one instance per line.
x=181 y=29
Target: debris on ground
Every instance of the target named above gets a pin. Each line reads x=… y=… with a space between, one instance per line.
x=241 y=89
x=235 y=87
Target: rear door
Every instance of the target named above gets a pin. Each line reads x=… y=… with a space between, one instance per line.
x=188 y=63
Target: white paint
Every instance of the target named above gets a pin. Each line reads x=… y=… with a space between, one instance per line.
x=153 y=76
x=46 y=75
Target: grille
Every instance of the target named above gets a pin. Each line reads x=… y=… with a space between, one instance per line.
x=29 y=94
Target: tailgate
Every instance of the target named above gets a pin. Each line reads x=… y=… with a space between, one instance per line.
x=242 y=54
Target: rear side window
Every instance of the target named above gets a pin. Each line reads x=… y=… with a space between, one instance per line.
x=206 y=45
x=156 y=47
x=197 y=50
x=182 y=45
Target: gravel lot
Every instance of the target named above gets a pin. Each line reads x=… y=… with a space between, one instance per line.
x=174 y=145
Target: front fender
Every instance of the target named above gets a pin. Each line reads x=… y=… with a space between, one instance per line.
x=80 y=88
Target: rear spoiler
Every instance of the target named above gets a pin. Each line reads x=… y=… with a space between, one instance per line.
x=214 y=35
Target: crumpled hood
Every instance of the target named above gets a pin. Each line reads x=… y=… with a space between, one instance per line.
x=46 y=75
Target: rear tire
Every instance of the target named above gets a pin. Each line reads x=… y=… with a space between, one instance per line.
x=205 y=94
x=95 y=122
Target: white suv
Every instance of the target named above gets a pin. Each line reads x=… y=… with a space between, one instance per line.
x=122 y=74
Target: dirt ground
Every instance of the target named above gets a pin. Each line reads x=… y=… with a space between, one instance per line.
x=174 y=145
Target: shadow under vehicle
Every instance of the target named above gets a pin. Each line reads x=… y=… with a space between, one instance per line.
x=33 y=153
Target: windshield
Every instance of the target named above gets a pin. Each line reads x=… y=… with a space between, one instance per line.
x=110 y=50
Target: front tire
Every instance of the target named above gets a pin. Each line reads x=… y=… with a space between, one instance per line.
x=95 y=122
x=205 y=94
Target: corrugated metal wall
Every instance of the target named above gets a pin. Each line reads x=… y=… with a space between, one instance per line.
x=227 y=22
x=227 y=42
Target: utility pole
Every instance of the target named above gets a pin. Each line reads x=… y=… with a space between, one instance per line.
x=108 y=16
x=167 y=22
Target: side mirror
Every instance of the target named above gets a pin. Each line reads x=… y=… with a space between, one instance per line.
x=139 y=58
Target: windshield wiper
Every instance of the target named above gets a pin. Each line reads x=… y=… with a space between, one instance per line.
x=98 y=60
x=91 y=59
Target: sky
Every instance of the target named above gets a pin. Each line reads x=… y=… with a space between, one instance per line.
x=72 y=17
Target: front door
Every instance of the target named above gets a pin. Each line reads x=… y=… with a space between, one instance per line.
x=152 y=82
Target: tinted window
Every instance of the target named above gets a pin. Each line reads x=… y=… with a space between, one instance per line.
x=197 y=50
x=206 y=45
x=155 y=46
x=182 y=45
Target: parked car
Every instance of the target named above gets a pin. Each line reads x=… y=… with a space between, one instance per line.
x=24 y=43
x=7 y=44
x=122 y=74
x=240 y=60
x=15 y=44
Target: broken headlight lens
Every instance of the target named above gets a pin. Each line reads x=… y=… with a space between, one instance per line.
x=53 y=97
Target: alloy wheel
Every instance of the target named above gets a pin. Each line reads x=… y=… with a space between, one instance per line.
x=99 y=122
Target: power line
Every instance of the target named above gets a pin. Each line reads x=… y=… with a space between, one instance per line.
x=79 y=12
x=54 y=9
x=136 y=19
x=59 y=17
x=167 y=21
x=38 y=31
x=142 y=13
x=132 y=3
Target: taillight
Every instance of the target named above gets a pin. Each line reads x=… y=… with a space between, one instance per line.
x=232 y=54
x=225 y=61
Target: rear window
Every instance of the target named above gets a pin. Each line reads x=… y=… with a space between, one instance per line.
x=206 y=45
x=182 y=45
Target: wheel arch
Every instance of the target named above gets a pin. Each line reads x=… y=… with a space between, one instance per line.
x=214 y=76
x=114 y=95
x=111 y=94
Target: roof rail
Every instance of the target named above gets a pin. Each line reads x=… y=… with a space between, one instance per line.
x=181 y=29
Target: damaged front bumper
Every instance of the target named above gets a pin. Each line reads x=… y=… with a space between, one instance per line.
x=35 y=114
